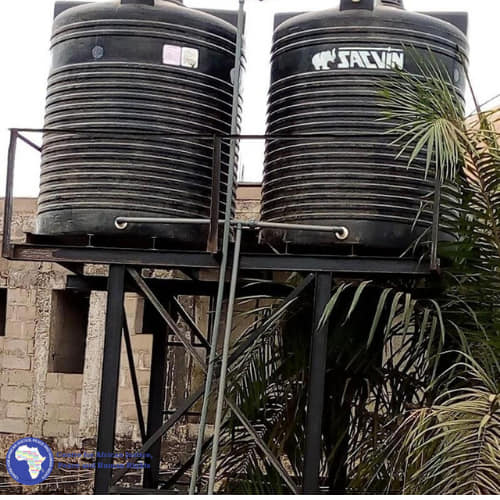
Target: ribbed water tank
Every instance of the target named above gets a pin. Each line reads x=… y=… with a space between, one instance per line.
x=327 y=69
x=134 y=75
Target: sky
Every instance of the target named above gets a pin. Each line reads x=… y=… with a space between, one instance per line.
x=25 y=28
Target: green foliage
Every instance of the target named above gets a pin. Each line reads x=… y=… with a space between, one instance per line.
x=451 y=447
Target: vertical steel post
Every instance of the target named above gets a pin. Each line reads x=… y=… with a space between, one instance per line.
x=157 y=394
x=110 y=378
x=9 y=194
x=225 y=359
x=316 y=389
x=225 y=247
x=213 y=233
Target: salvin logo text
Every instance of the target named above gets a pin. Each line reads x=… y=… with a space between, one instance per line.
x=363 y=58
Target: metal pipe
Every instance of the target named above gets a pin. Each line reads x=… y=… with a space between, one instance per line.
x=341 y=232
x=122 y=223
x=213 y=232
x=9 y=194
x=225 y=248
x=208 y=137
x=225 y=357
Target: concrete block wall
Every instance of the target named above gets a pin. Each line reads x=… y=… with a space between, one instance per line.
x=64 y=406
x=25 y=387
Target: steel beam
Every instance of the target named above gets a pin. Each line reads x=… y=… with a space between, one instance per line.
x=339 y=265
x=148 y=293
x=174 y=287
x=110 y=378
x=316 y=386
x=128 y=257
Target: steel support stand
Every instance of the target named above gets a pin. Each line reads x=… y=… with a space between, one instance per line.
x=110 y=379
x=157 y=393
x=188 y=403
x=316 y=393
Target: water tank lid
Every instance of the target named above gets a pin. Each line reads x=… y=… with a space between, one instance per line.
x=357 y=4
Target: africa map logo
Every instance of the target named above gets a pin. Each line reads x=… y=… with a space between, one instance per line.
x=29 y=461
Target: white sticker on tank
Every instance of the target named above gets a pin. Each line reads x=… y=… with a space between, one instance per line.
x=190 y=57
x=172 y=55
x=187 y=57
x=356 y=57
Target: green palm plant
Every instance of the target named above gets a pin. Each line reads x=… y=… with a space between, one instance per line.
x=452 y=446
x=413 y=374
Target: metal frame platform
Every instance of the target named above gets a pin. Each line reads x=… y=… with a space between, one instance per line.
x=125 y=274
x=239 y=256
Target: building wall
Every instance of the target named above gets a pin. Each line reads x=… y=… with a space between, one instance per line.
x=37 y=400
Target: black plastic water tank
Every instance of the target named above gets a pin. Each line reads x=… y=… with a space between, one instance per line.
x=326 y=70
x=134 y=67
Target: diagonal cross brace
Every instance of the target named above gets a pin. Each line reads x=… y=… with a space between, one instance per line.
x=190 y=322
x=133 y=378
x=194 y=398
x=149 y=294
x=187 y=404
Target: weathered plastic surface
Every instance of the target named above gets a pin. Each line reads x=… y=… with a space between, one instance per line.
x=326 y=70
x=140 y=70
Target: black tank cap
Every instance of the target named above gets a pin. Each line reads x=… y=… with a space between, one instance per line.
x=139 y=2
x=149 y=2
x=357 y=4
